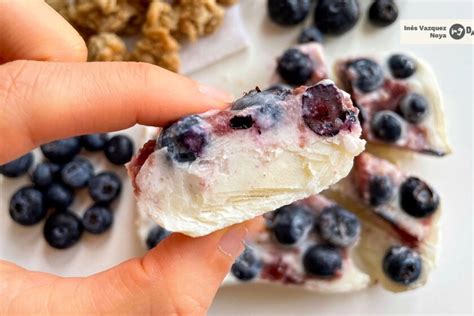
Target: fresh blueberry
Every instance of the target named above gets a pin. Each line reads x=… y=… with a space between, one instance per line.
x=97 y=219
x=402 y=265
x=94 y=142
x=45 y=173
x=279 y=87
x=387 y=126
x=383 y=12
x=338 y=226
x=27 y=206
x=414 y=108
x=322 y=260
x=310 y=34
x=291 y=223
x=119 y=149
x=247 y=266
x=288 y=12
x=77 y=173
x=62 y=229
x=417 y=198
x=186 y=139
x=401 y=66
x=336 y=17
x=17 y=167
x=105 y=187
x=241 y=122
x=59 y=196
x=267 y=116
x=381 y=190
x=268 y=97
x=62 y=151
x=295 y=67
x=156 y=235
x=369 y=74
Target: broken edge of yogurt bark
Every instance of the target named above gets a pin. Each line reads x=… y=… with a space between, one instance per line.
x=270 y=148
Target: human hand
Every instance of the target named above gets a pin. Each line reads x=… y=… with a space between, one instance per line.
x=58 y=96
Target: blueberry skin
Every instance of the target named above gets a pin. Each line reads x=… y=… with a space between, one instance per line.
x=97 y=219
x=62 y=229
x=387 y=126
x=155 y=236
x=401 y=66
x=417 y=198
x=279 y=87
x=45 y=173
x=77 y=173
x=338 y=226
x=105 y=187
x=370 y=74
x=17 y=167
x=119 y=149
x=381 y=190
x=336 y=17
x=94 y=142
x=61 y=151
x=247 y=266
x=58 y=196
x=322 y=261
x=268 y=97
x=267 y=116
x=414 y=108
x=291 y=223
x=383 y=12
x=288 y=12
x=27 y=206
x=402 y=265
x=310 y=34
x=295 y=67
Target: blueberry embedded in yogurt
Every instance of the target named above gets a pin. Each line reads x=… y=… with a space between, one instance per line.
x=414 y=108
x=338 y=226
x=402 y=265
x=417 y=198
x=322 y=261
x=247 y=266
x=387 y=126
x=291 y=223
x=369 y=75
x=381 y=190
x=401 y=66
x=295 y=67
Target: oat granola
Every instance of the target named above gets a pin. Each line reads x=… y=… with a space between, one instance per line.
x=106 y=47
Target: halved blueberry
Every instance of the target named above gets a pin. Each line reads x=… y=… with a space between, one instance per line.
x=27 y=206
x=381 y=190
x=291 y=223
x=383 y=12
x=58 y=196
x=295 y=67
x=387 y=126
x=338 y=226
x=310 y=34
x=45 y=173
x=288 y=12
x=97 y=219
x=119 y=149
x=156 y=235
x=94 y=142
x=417 y=198
x=63 y=150
x=402 y=265
x=414 y=108
x=105 y=187
x=77 y=173
x=401 y=66
x=62 y=229
x=336 y=17
x=322 y=261
x=247 y=266
x=267 y=116
x=369 y=74
x=17 y=167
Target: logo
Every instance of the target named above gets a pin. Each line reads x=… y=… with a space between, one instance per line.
x=457 y=31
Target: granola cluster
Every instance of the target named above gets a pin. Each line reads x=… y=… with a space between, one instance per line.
x=156 y=27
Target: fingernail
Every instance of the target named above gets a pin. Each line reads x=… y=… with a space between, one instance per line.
x=232 y=243
x=216 y=93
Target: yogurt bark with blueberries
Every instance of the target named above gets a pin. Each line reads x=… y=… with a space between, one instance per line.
x=399 y=101
x=269 y=149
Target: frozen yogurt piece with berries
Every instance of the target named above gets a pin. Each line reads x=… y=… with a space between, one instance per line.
x=271 y=148
x=399 y=101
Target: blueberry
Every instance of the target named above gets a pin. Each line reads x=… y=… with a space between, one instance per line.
x=414 y=108
x=105 y=187
x=381 y=190
x=417 y=198
x=288 y=12
x=267 y=116
x=247 y=266
x=27 y=206
x=58 y=196
x=62 y=229
x=77 y=173
x=119 y=149
x=62 y=151
x=402 y=265
x=45 y=173
x=241 y=122
x=387 y=126
x=17 y=167
x=383 y=12
x=295 y=67
x=322 y=260
x=369 y=74
x=97 y=219
x=156 y=235
x=268 y=97
x=94 y=142
x=338 y=226
x=336 y=16
x=401 y=66
x=310 y=34
x=186 y=139
x=291 y=223
x=279 y=87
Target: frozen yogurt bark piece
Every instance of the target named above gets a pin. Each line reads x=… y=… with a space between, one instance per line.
x=270 y=148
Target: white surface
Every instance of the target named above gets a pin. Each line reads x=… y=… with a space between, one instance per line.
x=449 y=289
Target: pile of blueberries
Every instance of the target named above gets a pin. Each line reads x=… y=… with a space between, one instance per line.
x=56 y=180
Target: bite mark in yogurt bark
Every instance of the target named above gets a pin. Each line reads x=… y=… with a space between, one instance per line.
x=271 y=148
